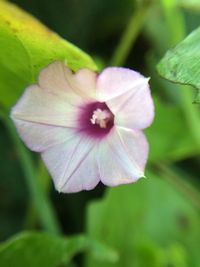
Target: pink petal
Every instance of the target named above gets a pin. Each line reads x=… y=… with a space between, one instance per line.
x=72 y=165
x=37 y=105
x=122 y=160
x=114 y=81
x=133 y=109
x=60 y=80
x=39 y=137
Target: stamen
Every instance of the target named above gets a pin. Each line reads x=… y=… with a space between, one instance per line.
x=101 y=117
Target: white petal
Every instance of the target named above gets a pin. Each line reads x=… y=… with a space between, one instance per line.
x=136 y=145
x=60 y=80
x=117 y=164
x=56 y=78
x=73 y=165
x=38 y=106
x=39 y=137
x=114 y=81
x=86 y=82
x=133 y=109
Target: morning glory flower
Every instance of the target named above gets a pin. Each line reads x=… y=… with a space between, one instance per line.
x=87 y=126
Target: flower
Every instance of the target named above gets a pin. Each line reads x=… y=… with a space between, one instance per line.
x=87 y=126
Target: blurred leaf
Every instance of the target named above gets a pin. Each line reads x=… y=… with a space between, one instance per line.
x=181 y=64
x=146 y=222
x=167 y=135
x=189 y=4
x=26 y=47
x=34 y=249
x=155 y=256
x=177 y=256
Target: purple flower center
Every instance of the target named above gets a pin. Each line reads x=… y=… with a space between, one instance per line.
x=96 y=119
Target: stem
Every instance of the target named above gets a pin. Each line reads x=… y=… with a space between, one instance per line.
x=129 y=36
x=30 y=221
x=31 y=214
x=180 y=184
x=41 y=202
x=174 y=20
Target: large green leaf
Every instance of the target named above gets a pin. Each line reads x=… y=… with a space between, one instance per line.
x=172 y=134
x=181 y=64
x=149 y=223
x=34 y=249
x=27 y=46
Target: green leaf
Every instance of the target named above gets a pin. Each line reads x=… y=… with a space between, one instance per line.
x=149 y=223
x=34 y=249
x=27 y=46
x=181 y=64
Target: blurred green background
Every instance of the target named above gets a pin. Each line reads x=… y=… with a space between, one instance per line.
x=153 y=223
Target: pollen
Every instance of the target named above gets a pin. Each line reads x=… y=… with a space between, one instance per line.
x=101 y=117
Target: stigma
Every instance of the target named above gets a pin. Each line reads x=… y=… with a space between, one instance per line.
x=101 y=117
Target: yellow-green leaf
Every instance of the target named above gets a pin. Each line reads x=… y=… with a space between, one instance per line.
x=27 y=46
